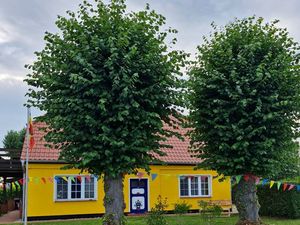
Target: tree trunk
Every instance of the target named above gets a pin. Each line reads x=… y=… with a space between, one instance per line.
x=113 y=200
x=247 y=203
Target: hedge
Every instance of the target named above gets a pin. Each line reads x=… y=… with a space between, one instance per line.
x=278 y=203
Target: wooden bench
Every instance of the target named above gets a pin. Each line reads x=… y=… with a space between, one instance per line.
x=225 y=204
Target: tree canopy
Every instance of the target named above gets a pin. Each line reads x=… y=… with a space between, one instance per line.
x=14 y=139
x=244 y=95
x=107 y=82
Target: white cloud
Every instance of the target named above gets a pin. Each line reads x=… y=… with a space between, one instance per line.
x=6 y=77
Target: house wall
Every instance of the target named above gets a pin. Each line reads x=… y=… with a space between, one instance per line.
x=41 y=200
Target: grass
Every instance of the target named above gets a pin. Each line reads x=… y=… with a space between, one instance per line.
x=174 y=220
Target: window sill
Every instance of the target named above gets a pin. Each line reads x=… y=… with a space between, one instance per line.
x=75 y=200
x=201 y=196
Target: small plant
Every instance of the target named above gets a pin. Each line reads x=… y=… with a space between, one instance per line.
x=156 y=215
x=181 y=207
x=209 y=212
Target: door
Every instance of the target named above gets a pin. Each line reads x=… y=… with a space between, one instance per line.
x=138 y=195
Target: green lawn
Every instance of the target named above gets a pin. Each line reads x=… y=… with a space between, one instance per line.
x=175 y=220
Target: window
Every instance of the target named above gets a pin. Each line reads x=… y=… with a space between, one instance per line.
x=75 y=188
x=195 y=186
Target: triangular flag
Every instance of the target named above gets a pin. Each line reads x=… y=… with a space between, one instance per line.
x=36 y=180
x=30 y=179
x=153 y=176
x=56 y=179
x=298 y=187
x=50 y=179
x=72 y=179
x=203 y=178
x=21 y=181
x=278 y=184
x=285 y=186
x=17 y=183
x=79 y=178
x=88 y=178
x=44 y=180
x=247 y=177
x=140 y=174
x=257 y=180
x=271 y=183
x=65 y=178
x=291 y=187
x=264 y=181
x=238 y=178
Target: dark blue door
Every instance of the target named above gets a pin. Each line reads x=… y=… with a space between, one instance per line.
x=138 y=195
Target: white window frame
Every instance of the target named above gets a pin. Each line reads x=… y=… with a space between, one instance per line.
x=199 y=186
x=69 y=199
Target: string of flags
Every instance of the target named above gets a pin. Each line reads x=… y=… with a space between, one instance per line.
x=45 y=180
x=286 y=186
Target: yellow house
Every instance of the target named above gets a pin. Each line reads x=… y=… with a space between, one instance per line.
x=57 y=193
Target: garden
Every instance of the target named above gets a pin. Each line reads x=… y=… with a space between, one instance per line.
x=174 y=220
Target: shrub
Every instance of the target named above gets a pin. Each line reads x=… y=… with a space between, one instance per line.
x=280 y=203
x=156 y=215
x=181 y=207
x=209 y=212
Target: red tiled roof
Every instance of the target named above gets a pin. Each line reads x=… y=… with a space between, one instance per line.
x=177 y=155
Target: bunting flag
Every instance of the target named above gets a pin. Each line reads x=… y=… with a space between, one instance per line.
x=257 y=180
x=30 y=179
x=153 y=176
x=238 y=178
x=291 y=187
x=88 y=178
x=278 y=185
x=78 y=178
x=140 y=174
x=285 y=186
x=30 y=129
x=21 y=181
x=44 y=180
x=72 y=179
x=36 y=180
x=247 y=177
x=65 y=178
x=265 y=181
x=50 y=179
x=271 y=183
x=203 y=178
x=17 y=184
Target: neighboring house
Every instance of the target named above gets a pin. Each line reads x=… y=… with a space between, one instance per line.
x=58 y=193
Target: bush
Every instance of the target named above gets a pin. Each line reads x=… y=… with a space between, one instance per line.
x=156 y=215
x=209 y=212
x=280 y=203
x=181 y=207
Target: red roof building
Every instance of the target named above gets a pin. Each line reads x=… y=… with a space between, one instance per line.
x=179 y=154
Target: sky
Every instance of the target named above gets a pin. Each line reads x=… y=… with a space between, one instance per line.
x=23 y=24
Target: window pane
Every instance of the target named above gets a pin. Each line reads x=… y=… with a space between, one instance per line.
x=89 y=187
x=194 y=186
x=75 y=188
x=61 y=188
x=204 y=185
x=184 y=186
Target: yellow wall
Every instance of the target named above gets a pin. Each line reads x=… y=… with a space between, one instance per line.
x=41 y=200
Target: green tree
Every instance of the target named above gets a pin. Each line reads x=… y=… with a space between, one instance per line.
x=14 y=140
x=244 y=95
x=107 y=82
